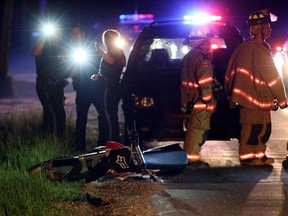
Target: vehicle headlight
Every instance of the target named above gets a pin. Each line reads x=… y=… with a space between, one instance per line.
x=143 y=102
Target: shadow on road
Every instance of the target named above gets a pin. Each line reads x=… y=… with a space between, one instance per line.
x=219 y=175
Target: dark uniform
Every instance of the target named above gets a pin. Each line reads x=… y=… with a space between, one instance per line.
x=89 y=92
x=50 y=84
x=110 y=76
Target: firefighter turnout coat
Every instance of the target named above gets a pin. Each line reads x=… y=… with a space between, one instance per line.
x=196 y=80
x=252 y=80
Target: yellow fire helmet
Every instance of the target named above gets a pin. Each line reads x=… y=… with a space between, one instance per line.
x=260 y=17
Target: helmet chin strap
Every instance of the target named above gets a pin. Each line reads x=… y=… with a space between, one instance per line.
x=262 y=32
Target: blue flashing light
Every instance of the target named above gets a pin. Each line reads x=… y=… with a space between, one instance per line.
x=136 y=18
x=202 y=18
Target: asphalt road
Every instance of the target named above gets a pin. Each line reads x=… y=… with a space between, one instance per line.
x=228 y=188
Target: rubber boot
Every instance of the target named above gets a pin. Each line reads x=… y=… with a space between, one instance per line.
x=285 y=162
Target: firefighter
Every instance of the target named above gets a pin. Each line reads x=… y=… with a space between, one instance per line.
x=196 y=96
x=253 y=84
x=285 y=71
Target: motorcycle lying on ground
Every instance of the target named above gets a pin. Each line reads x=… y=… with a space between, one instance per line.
x=117 y=157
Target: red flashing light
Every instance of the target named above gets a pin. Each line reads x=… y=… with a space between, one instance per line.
x=214 y=46
x=136 y=28
x=202 y=18
x=279 y=49
x=136 y=18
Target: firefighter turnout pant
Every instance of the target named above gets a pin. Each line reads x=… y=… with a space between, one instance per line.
x=197 y=129
x=255 y=132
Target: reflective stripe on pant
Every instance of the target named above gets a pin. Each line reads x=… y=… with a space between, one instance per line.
x=255 y=132
x=197 y=131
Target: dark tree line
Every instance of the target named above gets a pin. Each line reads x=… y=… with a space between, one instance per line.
x=6 y=87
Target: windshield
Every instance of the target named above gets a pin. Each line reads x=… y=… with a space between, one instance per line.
x=170 y=48
x=165 y=53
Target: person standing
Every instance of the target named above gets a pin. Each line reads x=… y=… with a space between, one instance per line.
x=84 y=65
x=285 y=71
x=253 y=85
x=111 y=67
x=196 y=96
x=50 y=82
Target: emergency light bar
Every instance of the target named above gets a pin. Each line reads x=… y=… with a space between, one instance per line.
x=136 y=18
x=201 y=18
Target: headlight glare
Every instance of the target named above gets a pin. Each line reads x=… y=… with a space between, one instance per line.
x=49 y=30
x=80 y=56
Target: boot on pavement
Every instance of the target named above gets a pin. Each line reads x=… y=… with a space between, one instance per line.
x=198 y=164
x=251 y=162
x=267 y=161
x=285 y=163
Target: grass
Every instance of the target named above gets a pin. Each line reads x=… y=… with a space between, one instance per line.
x=22 y=146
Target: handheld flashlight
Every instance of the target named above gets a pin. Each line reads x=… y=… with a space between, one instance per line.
x=80 y=55
x=120 y=42
x=49 y=30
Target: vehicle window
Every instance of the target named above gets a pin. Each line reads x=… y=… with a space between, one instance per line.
x=167 y=53
x=162 y=53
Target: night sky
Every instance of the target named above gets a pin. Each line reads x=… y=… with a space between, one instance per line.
x=98 y=15
x=108 y=11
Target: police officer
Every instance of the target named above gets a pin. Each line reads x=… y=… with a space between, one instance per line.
x=111 y=67
x=196 y=96
x=253 y=84
x=86 y=63
x=50 y=82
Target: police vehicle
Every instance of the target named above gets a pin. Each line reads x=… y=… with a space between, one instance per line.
x=152 y=79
